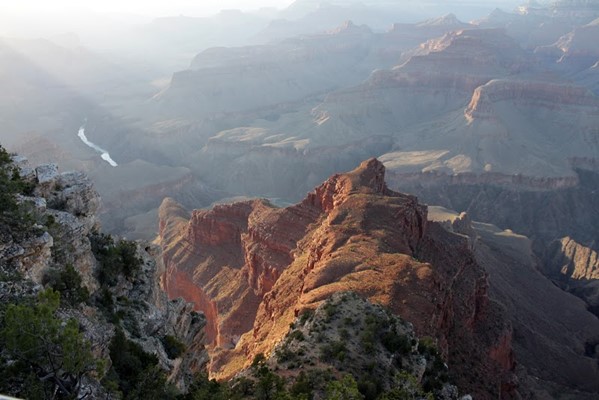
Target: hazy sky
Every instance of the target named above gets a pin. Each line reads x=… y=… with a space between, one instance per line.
x=143 y=7
x=45 y=18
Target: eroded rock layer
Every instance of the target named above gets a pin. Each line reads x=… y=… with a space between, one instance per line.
x=252 y=268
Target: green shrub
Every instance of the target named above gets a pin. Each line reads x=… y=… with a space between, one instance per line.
x=330 y=309
x=333 y=351
x=136 y=373
x=396 y=343
x=368 y=341
x=296 y=335
x=204 y=388
x=344 y=333
x=303 y=386
x=15 y=218
x=426 y=346
x=69 y=283
x=268 y=386
x=258 y=360
x=346 y=389
x=370 y=387
x=115 y=259
x=50 y=356
x=307 y=315
x=173 y=346
x=284 y=354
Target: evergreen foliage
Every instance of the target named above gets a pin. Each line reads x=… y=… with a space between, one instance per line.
x=346 y=389
x=135 y=373
x=50 y=357
x=173 y=346
x=115 y=259
x=69 y=283
x=13 y=216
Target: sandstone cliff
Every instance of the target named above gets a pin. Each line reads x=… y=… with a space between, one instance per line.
x=253 y=268
x=574 y=266
x=575 y=51
x=573 y=260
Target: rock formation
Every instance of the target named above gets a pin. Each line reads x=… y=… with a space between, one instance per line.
x=574 y=261
x=553 y=330
x=575 y=51
x=252 y=268
x=253 y=78
x=575 y=268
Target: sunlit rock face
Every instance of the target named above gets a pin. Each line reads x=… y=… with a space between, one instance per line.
x=252 y=268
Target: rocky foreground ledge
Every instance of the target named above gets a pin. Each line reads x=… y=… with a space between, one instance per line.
x=64 y=235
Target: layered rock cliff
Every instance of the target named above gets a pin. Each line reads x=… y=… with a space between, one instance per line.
x=253 y=268
x=539 y=94
x=554 y=332
x=573 y=260
x=574 y=266
x=575 y=51
x=505 y=122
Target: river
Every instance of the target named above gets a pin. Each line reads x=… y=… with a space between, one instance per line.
x=103 y=153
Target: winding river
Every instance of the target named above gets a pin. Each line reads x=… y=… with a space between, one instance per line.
x=103 y=153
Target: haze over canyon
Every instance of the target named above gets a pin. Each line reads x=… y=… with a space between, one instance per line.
x=434 y=165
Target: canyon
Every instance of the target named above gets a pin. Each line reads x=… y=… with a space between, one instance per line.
x=477 y=97
x=489 y=124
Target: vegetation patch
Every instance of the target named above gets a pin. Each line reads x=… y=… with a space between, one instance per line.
x=15 y=219
x=68 y=282
x=116 y=259
x=173 y=347
x=44 y=356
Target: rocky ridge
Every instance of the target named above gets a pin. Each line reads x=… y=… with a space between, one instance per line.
x=575 y=51
x=351 y=233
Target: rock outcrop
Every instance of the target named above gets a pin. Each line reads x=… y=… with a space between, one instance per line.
x=67 y=202
x=572 y=260
x=348 y=334
x=552 y=96
x=507 y=120
x=151 y=316
x=253 y=268
x=574 y=267
x=544 y=213
x=63 y=209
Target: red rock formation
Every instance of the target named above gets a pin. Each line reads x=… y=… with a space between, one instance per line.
x=254 y=268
